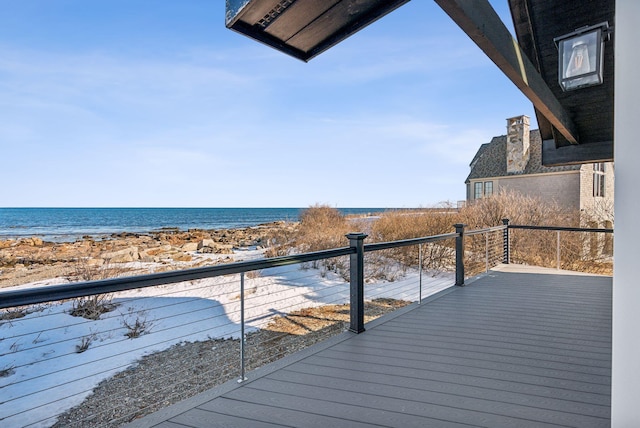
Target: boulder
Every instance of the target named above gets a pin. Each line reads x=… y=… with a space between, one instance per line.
x=33 y=241
x=190 y=246
x=147 y=258
x=122 y=256
x=224 y=249
x=206 y=250
x=159 y=250
x=206 y=243
x=6 y=244
x=181 y=257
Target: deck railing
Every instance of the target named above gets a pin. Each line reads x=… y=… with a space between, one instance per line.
x=225 y=320
x=569 y=248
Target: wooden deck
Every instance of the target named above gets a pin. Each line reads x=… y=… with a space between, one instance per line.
x=512 y=349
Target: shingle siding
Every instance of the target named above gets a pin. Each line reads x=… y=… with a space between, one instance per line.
x=491 y=159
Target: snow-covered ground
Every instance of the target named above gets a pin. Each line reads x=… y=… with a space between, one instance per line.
x=43 y=373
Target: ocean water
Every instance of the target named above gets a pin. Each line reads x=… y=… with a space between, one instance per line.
x=69 y=224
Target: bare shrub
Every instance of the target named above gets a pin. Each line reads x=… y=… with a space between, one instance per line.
x=13 y=313
x=7 y=370
x=20 y=311
x=91 y=307
x=136 y=323
x=407 y=224
x=527 y=248
x=85 y=342
x=519 y=209
x=136 y=328
x=321 y=228
x=599 y=214
x=539 y=247
x=87 y=270
x=280 y=241
x=382 y=265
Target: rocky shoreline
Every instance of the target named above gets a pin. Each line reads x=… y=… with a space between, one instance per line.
x=32 y=260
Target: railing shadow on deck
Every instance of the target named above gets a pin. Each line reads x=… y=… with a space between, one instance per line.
x=242 y=315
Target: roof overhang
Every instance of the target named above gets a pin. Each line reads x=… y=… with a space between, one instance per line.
x=304 y=28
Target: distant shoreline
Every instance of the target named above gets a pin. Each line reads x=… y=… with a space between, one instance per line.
x=71 y=224
x=119 y=234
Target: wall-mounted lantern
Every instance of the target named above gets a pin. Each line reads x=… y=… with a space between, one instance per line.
x=580 y=56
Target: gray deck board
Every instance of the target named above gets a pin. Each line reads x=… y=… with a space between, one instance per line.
x=510 y=349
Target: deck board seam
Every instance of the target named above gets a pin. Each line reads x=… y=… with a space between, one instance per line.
x=256 y=386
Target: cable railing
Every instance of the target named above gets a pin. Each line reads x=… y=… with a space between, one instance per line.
x=102 y=353
x=484 y=249
x=569 y=248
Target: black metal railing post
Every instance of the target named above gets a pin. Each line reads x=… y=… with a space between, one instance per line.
x=505 y=241
x=459 y=254
x=356 y=278
x=243 y=338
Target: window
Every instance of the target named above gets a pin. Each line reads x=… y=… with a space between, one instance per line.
x=488 y=188
x=598 y=179
x=477 y=191
x=482 y=190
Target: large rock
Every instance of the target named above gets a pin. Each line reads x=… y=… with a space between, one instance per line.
x=32 y=241
x=224 y=249
x=122 y=256
x=208 y=246
x=190 y=246
x=181 y=257
x=145 y=257
x=206 y=243
x=6 y=244
x=156 y=251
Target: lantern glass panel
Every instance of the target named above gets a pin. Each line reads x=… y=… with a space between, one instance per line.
x=581 y=60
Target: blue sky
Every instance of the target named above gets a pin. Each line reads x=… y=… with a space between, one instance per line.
x=132 y=103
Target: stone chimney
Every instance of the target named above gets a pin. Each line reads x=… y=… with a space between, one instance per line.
x=517 y=144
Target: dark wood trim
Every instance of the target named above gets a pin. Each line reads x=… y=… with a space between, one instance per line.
x=576 y=154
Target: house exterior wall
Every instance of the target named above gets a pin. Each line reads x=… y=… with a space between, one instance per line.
x=573 y=190
x=563 y=188
x=597 y=210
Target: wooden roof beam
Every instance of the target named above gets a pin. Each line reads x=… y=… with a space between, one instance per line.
x=483 y=25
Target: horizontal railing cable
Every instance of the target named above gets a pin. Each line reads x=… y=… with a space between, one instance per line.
x=483 y=231
x=81 y=289
x=560 y=228
x=406 y=242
